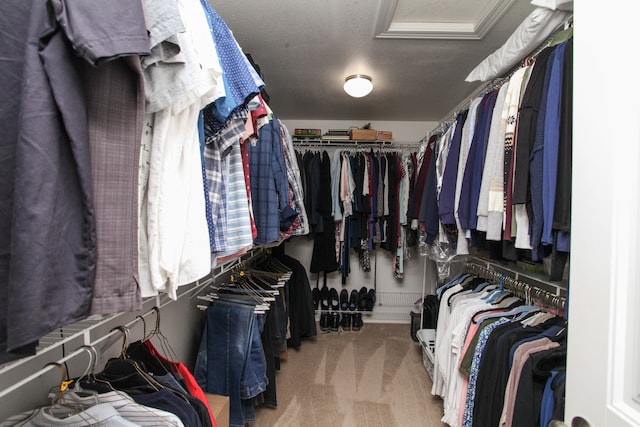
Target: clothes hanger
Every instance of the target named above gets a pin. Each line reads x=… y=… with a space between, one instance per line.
x=162 y=340
x=59 y=407
x=87 y=375
x=140 y=352
x=127 y=374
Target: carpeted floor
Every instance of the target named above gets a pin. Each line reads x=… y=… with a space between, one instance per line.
x=373 y=377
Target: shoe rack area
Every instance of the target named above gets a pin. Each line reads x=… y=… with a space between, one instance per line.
x=342 y=311
x=391 y=300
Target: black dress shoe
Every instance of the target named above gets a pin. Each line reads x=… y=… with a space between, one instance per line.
x=353 y=300
x=370 y=300
x=315 y=295
x=346 y=321
x=325 y=322
x=356 y=321
x=335 y=321
x=362 y=295
x=324 y=298
x=344 y=300
x=334 y=300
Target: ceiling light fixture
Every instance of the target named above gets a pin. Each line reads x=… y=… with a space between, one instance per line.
x=358 y=85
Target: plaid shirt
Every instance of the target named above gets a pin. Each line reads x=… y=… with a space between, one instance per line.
x=217 y=147
x=269 y=186
x=295 y=182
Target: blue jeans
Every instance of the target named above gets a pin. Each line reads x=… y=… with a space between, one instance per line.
x=231 y=359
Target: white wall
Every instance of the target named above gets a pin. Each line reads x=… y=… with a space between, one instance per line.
x=402 y=131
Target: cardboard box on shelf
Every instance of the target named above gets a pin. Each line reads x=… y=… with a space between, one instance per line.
x=363 y=134
x=220 y=407
x=384 y=135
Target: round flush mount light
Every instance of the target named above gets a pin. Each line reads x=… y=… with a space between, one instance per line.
x=358 y=85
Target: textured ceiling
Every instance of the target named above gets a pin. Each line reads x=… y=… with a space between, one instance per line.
x=305 y=49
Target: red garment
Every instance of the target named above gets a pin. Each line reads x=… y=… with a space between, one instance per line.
x=179 y=368
x=244 y=150
x=422 y=176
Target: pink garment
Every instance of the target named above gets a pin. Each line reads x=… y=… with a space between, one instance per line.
x=473 y=328
x=520 y=356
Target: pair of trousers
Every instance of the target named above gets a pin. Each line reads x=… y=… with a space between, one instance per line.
x=231 y=359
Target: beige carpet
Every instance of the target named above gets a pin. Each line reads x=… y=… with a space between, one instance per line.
x=369 y=378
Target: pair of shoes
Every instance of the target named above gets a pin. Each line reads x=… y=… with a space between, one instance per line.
x=333 y=299
x=356 y=321
x=335 y=321
x=353 y=300
x=344 y=300
x=325 y=322
x=346 y=321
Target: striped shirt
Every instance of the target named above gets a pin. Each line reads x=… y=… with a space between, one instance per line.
x=100 y=407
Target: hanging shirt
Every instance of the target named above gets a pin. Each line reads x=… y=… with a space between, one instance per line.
x=492 y=173
x=465 y=145
x=472 y=179
x=239 y=82
x=536 y=172
x=336 y=166
x=174 y=246
x=14 y=20
x=551 y=144
x=448 y=189
x=295 y=182
x=527 y=120
x=217 y=148
x=562 y=214
x=512 y=103
x=54 y=233
x=269 y=188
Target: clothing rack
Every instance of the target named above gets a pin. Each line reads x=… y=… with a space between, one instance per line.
x=450 y=117
x=522 y=285
x=97 y=346
x=236 y=267
x=358 y=145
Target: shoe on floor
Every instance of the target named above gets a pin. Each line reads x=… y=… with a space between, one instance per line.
x=346 y=321
x=325 y=322
x=335 y=321
x=356 y=321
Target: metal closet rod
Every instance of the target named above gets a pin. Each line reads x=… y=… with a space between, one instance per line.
x=114 y=333
x=521 y=288
x=358 y=144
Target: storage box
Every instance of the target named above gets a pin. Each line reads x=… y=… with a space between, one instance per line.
x=363 y=134
x=220 y=407
x=384 y=135
x=307 y=133
x=427 y=338
x=415 y=324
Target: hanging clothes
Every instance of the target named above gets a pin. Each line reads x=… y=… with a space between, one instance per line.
x=54 y=174
x=269 y=186
x=322 y=257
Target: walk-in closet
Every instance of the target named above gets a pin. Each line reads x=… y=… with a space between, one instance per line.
x=335 y=213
